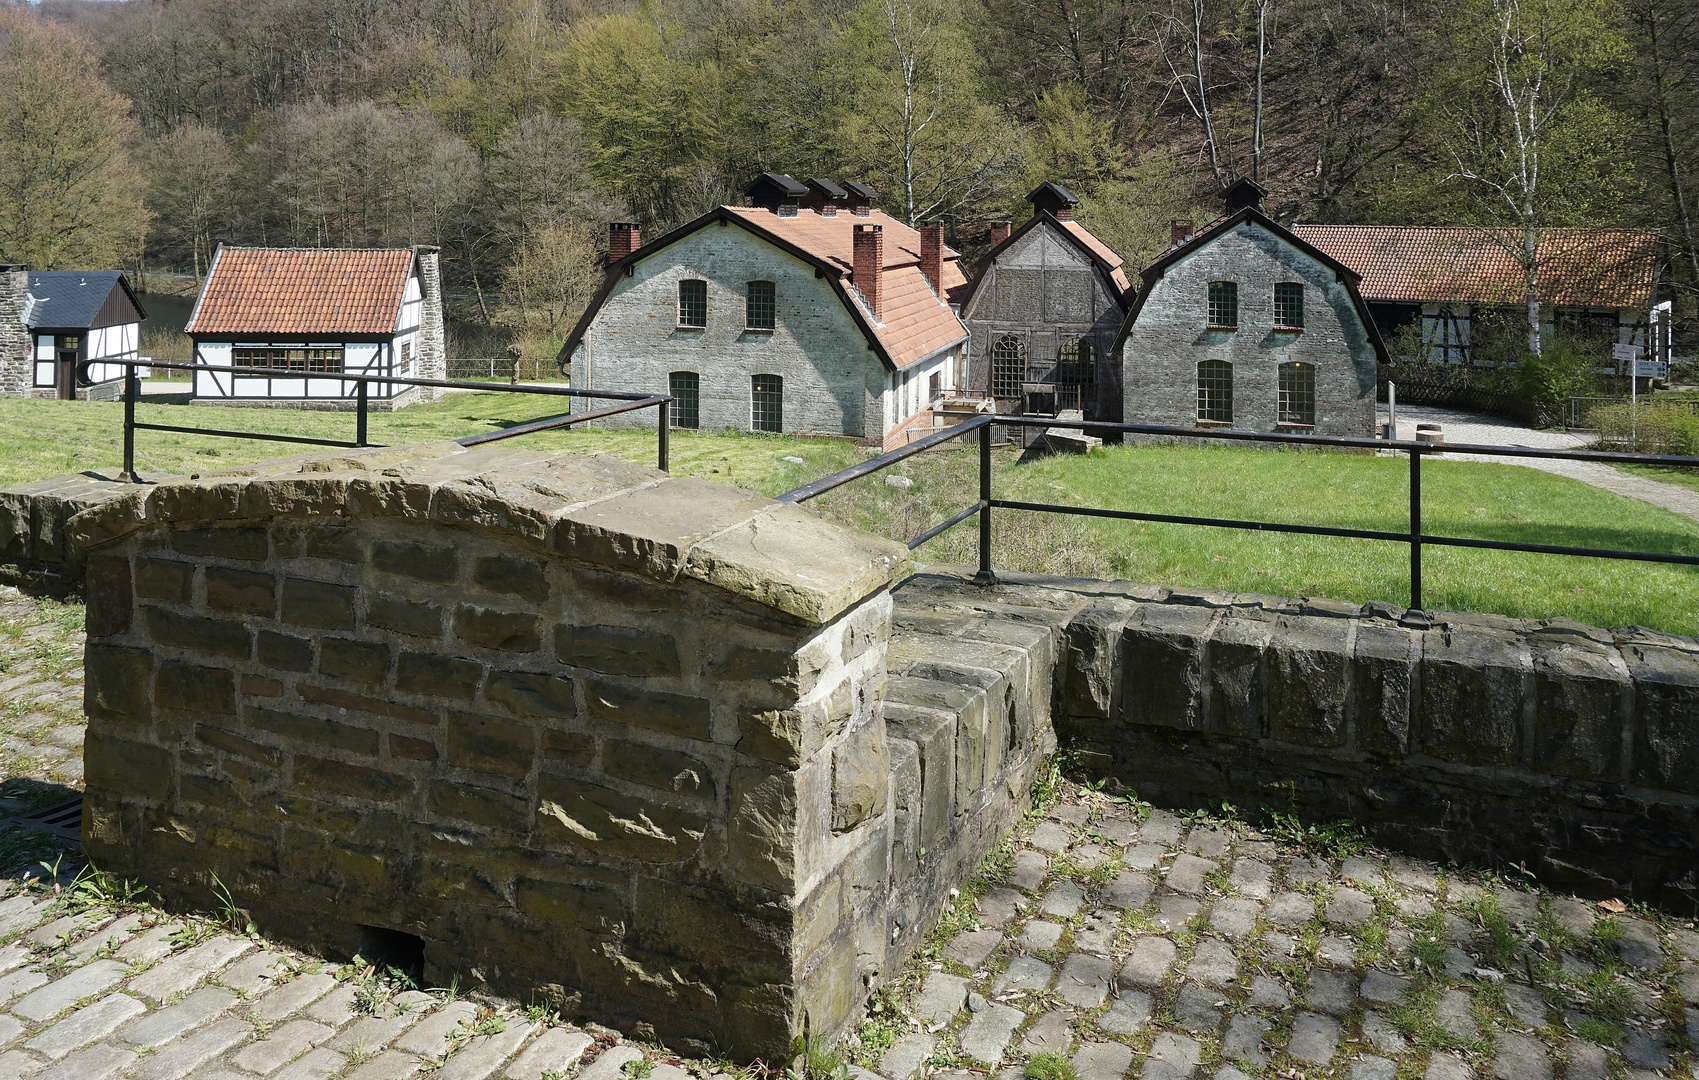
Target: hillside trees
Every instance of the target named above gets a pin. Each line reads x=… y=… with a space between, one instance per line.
x=1527 y=142
x=70 y=197
x=191 y=190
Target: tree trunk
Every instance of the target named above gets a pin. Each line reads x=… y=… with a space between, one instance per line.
x=1672 y=164
x=1531 y=266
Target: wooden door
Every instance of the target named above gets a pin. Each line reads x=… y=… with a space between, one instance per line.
x=67 y=374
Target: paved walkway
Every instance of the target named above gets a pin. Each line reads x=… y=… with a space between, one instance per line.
x=1463 y=427
x=1138 y=944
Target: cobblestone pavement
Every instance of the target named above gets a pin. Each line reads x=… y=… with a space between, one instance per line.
x=1168 y=950
x=1463 y=427
x=1135 y=943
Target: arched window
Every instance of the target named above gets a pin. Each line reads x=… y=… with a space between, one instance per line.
x=686 y=389
x=1076 y=361
x=1008 y=366
x=760 y=306
x=1298 y=394
x=767 y=403
x=693 y=304
x=1215 y=391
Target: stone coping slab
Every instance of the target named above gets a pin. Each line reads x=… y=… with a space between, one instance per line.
x=594 y=508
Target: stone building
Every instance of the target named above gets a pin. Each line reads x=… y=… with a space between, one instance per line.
x=1042 y=310
x=53 y=321
x=1244 y=325
x=807 y=311
x=366 y=311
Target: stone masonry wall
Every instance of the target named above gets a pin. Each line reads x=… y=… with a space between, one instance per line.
x=588 y=732
x=1567 y=749
x=35 y=553
x=1163 y=348
x=17 y=344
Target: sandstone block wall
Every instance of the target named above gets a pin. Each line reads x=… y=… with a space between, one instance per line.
x=1480 y=739
x=35 y=552
x=587 y=732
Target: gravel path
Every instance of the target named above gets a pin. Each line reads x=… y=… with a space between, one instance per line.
x=1463 y=427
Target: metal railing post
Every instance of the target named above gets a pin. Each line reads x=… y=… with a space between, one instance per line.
x=132 y=388
x=663 y=422
x=360 y=414
x=985 y=576
x=1415 y=530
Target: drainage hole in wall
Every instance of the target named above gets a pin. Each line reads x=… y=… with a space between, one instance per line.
x=385 y=948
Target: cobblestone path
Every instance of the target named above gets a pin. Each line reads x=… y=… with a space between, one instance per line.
x=1132 y=942
x=1138 y=945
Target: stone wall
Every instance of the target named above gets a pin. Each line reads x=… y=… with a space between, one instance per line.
x=587 y=733
x=35 y=553
x=1160 y=356
x=1567 y=749
x=17 y=344
x=432 y=361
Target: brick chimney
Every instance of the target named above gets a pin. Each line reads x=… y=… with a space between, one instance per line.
x=869 y=267
x=999 y=232
x=624 y=237
x=932 y=254
x=1179 y=232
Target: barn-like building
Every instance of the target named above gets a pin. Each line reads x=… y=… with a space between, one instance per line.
x=1245 y=325
x=1043 y=309
x=805 y=312
x=295 y=311
x=54 y=321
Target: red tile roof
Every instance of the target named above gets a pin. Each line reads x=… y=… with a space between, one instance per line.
x=1603 y=268
x=302 y=291
x=916 y=321
x=1103 y=251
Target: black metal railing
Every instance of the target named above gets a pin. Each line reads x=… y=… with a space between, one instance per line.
x=1413 y=536
x=362 y=407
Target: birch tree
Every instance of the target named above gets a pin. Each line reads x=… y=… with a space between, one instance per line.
x=919 y=130
x=1525 y=139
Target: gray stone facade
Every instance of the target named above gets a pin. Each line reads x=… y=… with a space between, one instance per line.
x=592 y=735
x=432 y=361
x=834 y=383
x=17 y=344
x=1170 y=335
x=1044 y=291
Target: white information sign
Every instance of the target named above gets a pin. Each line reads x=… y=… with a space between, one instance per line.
x=1625 y=352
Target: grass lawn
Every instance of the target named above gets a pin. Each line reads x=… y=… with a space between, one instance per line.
x=39 y=439
x=1687 y=478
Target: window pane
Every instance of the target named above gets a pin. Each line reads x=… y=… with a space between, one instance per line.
x=1215 y=391
x=767 y=403
x=1298 y=394
x=693 y=303
x=1223 y=303
x=1008 y=367
x=1289 y=306
x=759 y=307
x=1076 y=361
x=686 y=387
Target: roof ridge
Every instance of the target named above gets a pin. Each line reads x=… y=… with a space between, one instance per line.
x=372 y=251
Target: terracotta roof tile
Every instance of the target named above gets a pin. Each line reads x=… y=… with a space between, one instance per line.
x=302 y=291
x=916 y=321
x=1103 y=251
x=1578 y=267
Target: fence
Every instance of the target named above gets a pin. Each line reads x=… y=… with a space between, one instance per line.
x=1412 y=536
x=627 y=403
x=496 y=368
x=1580 y=407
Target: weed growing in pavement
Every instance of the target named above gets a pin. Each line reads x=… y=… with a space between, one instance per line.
x=812 y=1058
x=638 y=1069
x=1048 y=785
x=95 y=888
x=1050 y=1065
x=231 y=917
x=1602 y=1032
x=884 y=1025
x=1428 y=941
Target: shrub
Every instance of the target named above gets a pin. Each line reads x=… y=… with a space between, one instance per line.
x=1564 y=369
x=1670 y=428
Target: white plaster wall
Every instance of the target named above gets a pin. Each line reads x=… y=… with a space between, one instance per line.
x=833 y=382
x=1161 y=353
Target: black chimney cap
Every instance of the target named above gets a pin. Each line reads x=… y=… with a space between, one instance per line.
x=821 y=187
x=770 y=189
x=1243 y=193
x=1051 y=196
x=859 y=190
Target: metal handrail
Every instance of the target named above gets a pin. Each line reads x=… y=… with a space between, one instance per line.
x=1414 y=537
x=629 y=402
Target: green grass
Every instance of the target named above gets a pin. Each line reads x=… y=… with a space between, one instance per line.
x=39 y=439
x=1687 y=478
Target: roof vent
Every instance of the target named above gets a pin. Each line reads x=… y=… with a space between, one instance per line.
x=776 y=192
x=1054 y=199
x=825 y=197
x=860 y=198
x=1244 y=194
